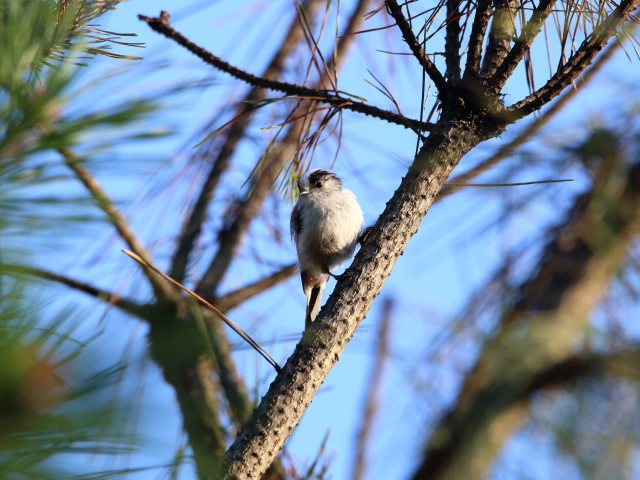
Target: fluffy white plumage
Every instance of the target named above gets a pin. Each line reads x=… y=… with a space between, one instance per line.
x=326 y=223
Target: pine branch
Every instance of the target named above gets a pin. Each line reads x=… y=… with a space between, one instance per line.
x=578 y=62
x=500 y=34
x=161 y=288
x=106 y=296
x=414 y=45
x=508 y=149
x=161 y=25
x=294 y=387
x=543 y=327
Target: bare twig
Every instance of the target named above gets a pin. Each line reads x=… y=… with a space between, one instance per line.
x=161 y=288
x=245 y=336
x=579 y=61
x=414 y=45
x=161 y=25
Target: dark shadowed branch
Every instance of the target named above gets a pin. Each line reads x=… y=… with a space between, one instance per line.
x=476 y=38
x=452 y=41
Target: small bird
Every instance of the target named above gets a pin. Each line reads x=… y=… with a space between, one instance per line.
x=326 y=222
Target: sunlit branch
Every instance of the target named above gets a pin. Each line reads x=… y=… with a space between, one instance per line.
x=161 y=25
x=500 y=34
x=415 y=47
x=568 y=72
x=117 y=219
x=521 y=47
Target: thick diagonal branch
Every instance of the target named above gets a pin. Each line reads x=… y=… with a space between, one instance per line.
x=161 y=25
x=221 y=157
x=578 y=62
x=294 y=387
x=414 y=45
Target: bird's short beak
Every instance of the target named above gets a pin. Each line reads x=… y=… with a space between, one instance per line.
x=304 y=191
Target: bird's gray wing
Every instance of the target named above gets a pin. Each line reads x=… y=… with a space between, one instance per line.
x=296 y=222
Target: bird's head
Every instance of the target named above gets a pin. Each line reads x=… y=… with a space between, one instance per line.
x=319 y=181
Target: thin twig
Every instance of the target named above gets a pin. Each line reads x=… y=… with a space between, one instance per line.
x=161 y=25
x=414 y=45
x=245 y=336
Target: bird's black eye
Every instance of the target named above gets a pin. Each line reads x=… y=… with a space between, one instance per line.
x=318 y=184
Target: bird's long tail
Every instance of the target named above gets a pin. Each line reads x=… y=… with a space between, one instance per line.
x=313 y=305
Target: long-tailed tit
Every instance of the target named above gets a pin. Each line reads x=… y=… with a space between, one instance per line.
x=325 y=225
